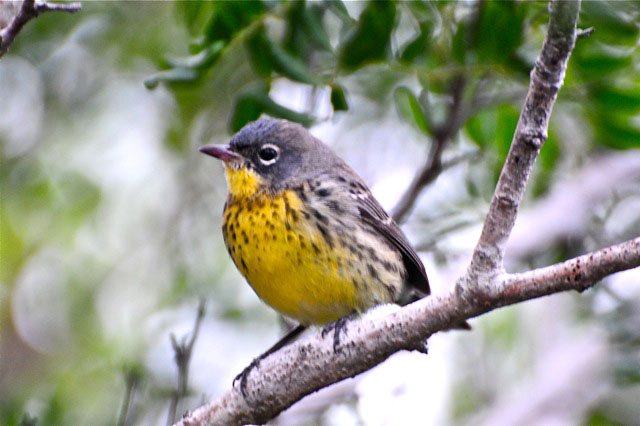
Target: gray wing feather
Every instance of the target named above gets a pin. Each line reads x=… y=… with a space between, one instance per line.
x=372 y=213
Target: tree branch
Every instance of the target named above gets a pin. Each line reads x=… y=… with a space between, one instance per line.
x=531 y=132
x=182 y=355
x=30 y=9
x=311 y=363
x=433 y=166
x=578 y=274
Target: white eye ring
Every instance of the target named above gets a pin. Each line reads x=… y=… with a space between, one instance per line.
x=270 y=160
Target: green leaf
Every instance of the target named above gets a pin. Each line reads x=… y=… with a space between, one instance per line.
x=417 y=50
x=338 y=8
x=305 y=28
x=258 y=44
x=550 y=152
x=268 y=56
x=369 y=40
x=506 y=127
x=202 y=60
x=421 y=10
x=410 y=110
x=255 y=101
x=292 y=67
x=315 y=28
x=229 y=17
x=194 y=14
x=460 y=46
x=499 y=31
x=613 y=21
x=338 y=98
x=246 y=110
x=593 y=62
x=174 y=75
x=616 y=131
x=481 y=128
x=609 y=98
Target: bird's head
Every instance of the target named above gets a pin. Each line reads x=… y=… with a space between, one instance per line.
x=272 y=154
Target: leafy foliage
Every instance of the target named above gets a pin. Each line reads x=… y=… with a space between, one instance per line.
x=492 y=42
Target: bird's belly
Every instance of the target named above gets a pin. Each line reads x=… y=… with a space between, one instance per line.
x=297 y=287
x=293 y=267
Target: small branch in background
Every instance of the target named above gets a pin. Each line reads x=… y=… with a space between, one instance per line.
x=433 y=166
x=435 y=237
x=486 y=101
x=132 y=379
x=28 y=420
x=183 y=352
x=458 y=113
x=461 y=158
x=30 y=9
x=580 y=33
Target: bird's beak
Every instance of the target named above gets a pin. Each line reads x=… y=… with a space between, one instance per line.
x=221 y=152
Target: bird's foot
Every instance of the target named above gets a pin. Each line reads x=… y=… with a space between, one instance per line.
x=338 y=326
x=242 y=377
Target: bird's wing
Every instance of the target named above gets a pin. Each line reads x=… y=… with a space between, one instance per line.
x=372 y=213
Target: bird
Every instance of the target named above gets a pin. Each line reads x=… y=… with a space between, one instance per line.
x=306 y=232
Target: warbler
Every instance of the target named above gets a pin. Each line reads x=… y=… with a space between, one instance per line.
x=306 y=232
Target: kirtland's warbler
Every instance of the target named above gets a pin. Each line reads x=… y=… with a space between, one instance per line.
x=306 y=233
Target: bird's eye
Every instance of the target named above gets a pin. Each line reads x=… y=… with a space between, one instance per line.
x=268 y=154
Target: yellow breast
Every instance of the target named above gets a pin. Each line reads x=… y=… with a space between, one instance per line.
x=289 y=261
x=287 y=264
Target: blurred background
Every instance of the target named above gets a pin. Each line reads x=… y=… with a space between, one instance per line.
x=110 y=218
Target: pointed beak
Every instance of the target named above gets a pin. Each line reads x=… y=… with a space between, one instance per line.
x=221 y=152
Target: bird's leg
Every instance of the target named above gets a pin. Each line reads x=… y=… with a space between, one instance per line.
x=285 y=340
x=338 y=326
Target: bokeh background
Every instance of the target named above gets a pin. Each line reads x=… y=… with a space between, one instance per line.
x=110 y=218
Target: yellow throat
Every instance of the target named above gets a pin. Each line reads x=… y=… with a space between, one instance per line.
x=243 y=183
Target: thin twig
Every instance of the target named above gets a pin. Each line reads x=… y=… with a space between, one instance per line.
x=461 y=158
x=433 y=166
x=132 y=378
x=584 y=33
x=458 y=113
x=183 y=352
x=435 y=237
x=30 y=9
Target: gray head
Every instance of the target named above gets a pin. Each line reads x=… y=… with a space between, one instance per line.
x=280 y=151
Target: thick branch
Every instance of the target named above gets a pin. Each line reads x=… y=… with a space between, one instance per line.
x=546 y=79
x=30 y=9
x=310 y=364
